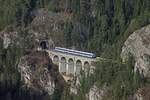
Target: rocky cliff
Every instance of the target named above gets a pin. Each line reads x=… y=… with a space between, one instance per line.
x=51 y=24
x=24 y=38
x=39 y=73
x=138 y=46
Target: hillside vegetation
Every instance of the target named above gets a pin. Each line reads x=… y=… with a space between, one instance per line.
x=95 y=25
x=100 y=26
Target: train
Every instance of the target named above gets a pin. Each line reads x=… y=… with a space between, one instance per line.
x=75 y=52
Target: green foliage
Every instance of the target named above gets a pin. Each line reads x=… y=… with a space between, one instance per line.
x=101 y=26
x=119 y=78
x=57 y=94
x=107 y=21
x=9 y=76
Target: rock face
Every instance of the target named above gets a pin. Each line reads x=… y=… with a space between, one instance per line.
x=46 y=21
x=50 y=23
x=138 y=45
x=45 y=25
x=24 y=38
x=96 y=94
x=39 y=73
x=143 y=93
x=9 y=37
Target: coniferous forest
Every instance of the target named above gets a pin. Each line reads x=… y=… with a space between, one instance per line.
x=100 y=26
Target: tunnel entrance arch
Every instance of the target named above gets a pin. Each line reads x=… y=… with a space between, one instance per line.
x=44 y=44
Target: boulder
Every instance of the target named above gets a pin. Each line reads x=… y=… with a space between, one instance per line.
x=96 y=93
x=9 y=37
x=143 y=93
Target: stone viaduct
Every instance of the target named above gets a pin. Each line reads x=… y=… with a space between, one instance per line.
x=71 y=64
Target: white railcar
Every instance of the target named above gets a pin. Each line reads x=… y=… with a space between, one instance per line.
x=75 y=52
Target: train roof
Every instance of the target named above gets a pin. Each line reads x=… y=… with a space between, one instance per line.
x=75 y=52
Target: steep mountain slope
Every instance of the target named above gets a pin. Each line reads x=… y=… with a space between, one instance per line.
x=96 y=24
x=101 y=26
